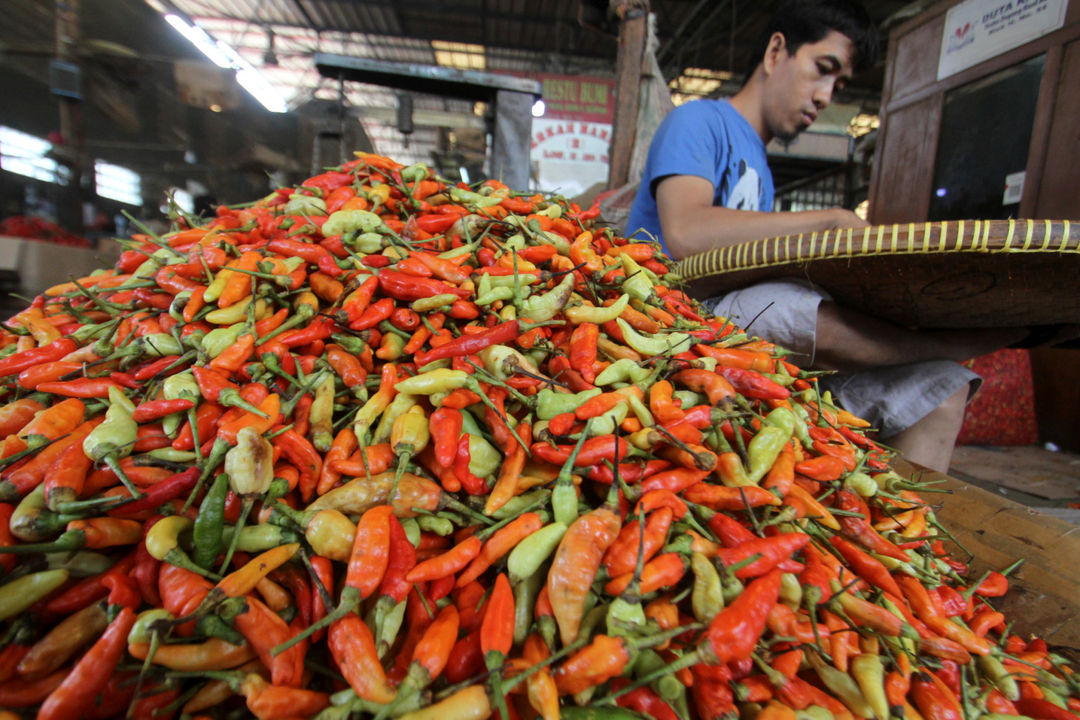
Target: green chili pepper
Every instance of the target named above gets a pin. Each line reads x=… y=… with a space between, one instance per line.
x=304 y=205
x=654 y=344
x=637 y=283
x=597 y=712
x=706 y=598
x=433 y=381
x=113 y=439
x=159 y=345
x=412 y=530
x=529 y=554
x=550 y=403
x=998 y=674
x=398 y=406
x=507 y=281
x=435 y=524
x=606 y=423
x=484 y=459
x=349 y=221
x=791 y=590
x=539 y=308
x=649 y=662
x=763 y=449
x=564 y=497
x=387 y=621
x=182 y=385
x=209 y=523
x=623 y=370
x=840 y=684
x=230 y=315
x=525 y=593
x=520 y=503
x=19 y=594
x=257 y=538
x=143 y=629
x=579 y=314
x=82 y=563
x=169 y=455
x=433 y=303
x=220 y=339
x=472 y=199
x=869 y=673
x=163 y=543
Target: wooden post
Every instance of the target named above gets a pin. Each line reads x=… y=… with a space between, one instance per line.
x=633 y=33
x=69 y=210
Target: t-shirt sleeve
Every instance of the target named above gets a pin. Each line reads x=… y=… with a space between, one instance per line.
x=688 y=142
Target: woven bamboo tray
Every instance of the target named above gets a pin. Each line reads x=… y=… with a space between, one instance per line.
x=961 y=273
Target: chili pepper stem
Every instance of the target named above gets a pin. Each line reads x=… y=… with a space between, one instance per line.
x=98 y=505
x=347 y=603
x=688 y=660
x=217 y=455
x=114 y=465
x=245 y=509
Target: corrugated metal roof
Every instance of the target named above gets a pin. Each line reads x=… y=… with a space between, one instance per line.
x=518 y=36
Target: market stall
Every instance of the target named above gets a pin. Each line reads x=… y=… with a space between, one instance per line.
x=380 y=444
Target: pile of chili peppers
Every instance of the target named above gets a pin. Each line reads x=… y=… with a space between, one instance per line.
x=381 y=445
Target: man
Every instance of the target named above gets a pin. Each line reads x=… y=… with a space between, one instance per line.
x=707 y=184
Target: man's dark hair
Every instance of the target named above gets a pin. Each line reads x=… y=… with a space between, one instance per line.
x=807 y=21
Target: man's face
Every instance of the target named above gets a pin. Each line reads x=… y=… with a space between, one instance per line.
x=801 y=85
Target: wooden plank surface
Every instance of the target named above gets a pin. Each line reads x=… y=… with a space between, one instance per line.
x=1031 y=470
x=1044 y=598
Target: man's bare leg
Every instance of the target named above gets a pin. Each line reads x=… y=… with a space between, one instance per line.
x=930 y=441
x=850 y=340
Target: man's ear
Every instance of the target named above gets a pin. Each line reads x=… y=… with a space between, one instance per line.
x=777 y=44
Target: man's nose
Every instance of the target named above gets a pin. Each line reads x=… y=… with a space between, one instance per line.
x=823 y=94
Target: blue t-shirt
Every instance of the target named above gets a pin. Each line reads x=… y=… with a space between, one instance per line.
x=709 y=139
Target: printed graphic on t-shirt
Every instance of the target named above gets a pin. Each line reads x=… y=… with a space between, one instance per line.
x=747 y=190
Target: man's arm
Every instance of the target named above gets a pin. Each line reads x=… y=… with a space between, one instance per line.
x=692 y=224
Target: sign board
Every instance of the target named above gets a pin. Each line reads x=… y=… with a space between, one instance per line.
x=569 y=156
x=570 y=97
x=569 y=144
x=977 y=30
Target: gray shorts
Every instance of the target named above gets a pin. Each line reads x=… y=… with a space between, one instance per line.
x=892 y=398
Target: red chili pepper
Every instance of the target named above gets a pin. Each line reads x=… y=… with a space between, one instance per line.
x=583 y=350
x=401 y=559
x=594 y=451
x=90 y=674
x=371 y=550
x=466 y=659
x=409 y=287
x=445 y=424
x=18 y=362
x=156 y=409
x=995 y=585
x=497 y=628
x=470 y=344
x=299 y=451
x=79 y=387
x=865 y=566
x=206 y=419
x=931 y=701
x=179 y=485
x=353 y=647
x=753 y=384
x=858 y=528
x=735 y=630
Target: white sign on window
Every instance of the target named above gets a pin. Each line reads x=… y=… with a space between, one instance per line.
x=977 y=30
x=570 y=155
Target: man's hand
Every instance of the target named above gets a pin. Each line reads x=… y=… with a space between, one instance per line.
x=691 y=224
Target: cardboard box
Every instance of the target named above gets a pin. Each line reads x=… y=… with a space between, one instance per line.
x=1044 y=595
